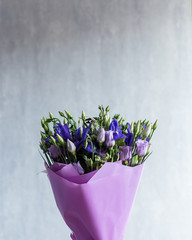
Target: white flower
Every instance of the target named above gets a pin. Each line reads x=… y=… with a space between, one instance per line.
x=71 y=146
x=101 y=136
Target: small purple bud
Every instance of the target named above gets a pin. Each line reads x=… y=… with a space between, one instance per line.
x=53 y=151
x=109 y=138
x=101 y=136
x=71 y=146
x=78 y=167
x=142 y=147
x=125 y=153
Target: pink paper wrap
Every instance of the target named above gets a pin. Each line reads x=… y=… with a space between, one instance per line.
x=96 y=205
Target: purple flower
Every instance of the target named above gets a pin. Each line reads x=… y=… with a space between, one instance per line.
x=117 y=133
x=81 y=135
x=91 y=147
x=109 y=141
x=101 y=136
x=78 y=167
x=142 y=147
x=125 y=153
x=53 y=151
x=63 y=131
x=129 y=136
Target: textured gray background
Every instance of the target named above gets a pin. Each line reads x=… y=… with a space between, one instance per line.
x=76 y=54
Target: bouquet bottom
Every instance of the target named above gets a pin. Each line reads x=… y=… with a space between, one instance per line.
x=96 y=205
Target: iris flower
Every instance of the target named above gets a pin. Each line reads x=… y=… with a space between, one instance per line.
x=117 y=133
x=63 y=131
x=81 y=135
x=129 y=136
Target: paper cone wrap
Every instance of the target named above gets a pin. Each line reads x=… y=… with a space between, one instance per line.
x=96 y=205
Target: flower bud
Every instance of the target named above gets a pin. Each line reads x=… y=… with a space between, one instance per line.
x=71 y=146
x=147 y=123
x=90 y=162
x=42 y=122
x=61 y=114
x=148 y=150
x=64 y=121
x=106 y=118
x=135 y=160
x=86 y=143
x=101 y=136
x=125 y=153
x=109 y=138
x=132 y=126
x=109 y=121
x=137 y=127
x=43 y=136
x=53 y=151
x=107 y=109
x=68 y=114
x=46 y=127
x=142 y=147
x=51 y=115
x=53 y=141
x=155 y=125
x=117 y=116
x=147 y=131
x=83 y=116
x=60 y=139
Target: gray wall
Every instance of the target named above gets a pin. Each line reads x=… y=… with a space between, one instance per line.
x=135 y=56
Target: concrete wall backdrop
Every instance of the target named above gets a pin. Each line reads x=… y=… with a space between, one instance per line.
x=134 y=55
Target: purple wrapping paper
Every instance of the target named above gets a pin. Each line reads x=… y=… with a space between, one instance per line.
x=96 y=205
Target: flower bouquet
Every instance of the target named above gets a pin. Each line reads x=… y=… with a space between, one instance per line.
x=94 y=167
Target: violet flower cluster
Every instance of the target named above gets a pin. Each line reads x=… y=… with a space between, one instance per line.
x=90 y=142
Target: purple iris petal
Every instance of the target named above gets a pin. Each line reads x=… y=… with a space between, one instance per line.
x=78 y=133
x=129 y=139
x=117 y=133
x=91 y=148
x=129 y=136
x=81 y=137
x=63 y=131
x=129 y=128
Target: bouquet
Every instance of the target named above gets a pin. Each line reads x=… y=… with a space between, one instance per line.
x=94 y=167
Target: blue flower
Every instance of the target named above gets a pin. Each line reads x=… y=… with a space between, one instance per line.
x=63 y=131
x=81 y=135
x=117 y=133
x=129 y=136
x=91 y=147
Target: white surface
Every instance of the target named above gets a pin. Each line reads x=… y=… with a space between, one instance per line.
x=134 y=56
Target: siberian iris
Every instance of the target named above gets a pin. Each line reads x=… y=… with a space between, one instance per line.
x=81 y=135
x=129 y=136
x=117 y=133
x=63 y=131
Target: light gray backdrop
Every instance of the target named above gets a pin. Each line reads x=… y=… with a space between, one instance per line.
x=134 y=55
